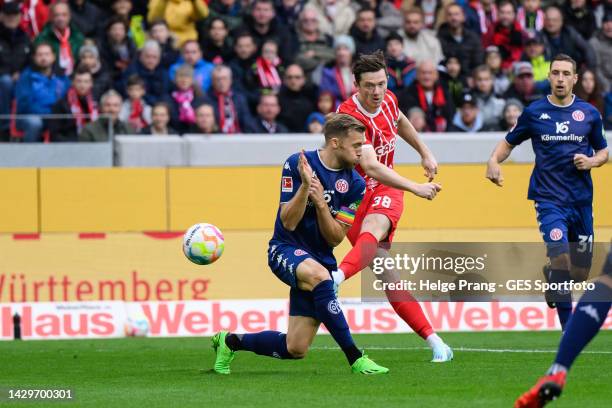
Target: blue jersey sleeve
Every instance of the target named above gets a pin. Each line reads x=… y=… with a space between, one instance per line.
x=351 y=201
x=290 y=180
x=520 y=132
x=597 y=136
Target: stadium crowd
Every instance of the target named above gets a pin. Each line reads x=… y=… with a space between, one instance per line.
x=159 y=67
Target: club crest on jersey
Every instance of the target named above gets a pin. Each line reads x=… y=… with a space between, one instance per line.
x=556 y=234
x=578 y=115
x=287 y=185
x=299 y=252
x=342 y=186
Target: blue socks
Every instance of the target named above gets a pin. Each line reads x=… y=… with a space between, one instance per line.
x=563 y=300
x=266 y=343
x=590 y=314
x=330 y=314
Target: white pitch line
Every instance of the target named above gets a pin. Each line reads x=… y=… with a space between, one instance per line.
x=466 y=349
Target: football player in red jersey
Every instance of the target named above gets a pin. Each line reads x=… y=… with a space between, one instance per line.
x=377 y=216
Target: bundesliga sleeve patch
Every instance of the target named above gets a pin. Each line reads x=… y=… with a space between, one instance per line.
x=346 y=215
x=287 y=185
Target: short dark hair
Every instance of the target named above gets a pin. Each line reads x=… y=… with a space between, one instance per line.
x=369 y=63
x=135 y=80
x=564 y=57
x=42 y=44
x=340 y=124
x=366 y=9
x=81 y=70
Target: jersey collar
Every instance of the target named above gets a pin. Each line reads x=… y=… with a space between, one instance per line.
x=363 y=110
x=323 y=164
x=561 y=106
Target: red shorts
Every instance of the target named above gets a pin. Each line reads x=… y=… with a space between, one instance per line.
x=381 y=200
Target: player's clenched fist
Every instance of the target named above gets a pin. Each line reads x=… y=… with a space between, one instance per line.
x=427 y=190
x=494 y=173
x=305 y=170
x=582 y=162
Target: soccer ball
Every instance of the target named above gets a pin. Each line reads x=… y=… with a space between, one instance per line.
x=137 y=326
x=203 y=244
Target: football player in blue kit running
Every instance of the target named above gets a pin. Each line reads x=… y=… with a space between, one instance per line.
x=568 y=141
x=320 y=193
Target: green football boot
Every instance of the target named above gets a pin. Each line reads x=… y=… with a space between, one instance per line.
x=224 y=354
x=363 y=365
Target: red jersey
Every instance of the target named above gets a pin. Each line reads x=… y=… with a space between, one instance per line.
x=381 y=129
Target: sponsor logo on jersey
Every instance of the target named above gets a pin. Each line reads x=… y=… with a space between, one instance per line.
x=555 y=234
x=342 y=186
x=385 y=148
x=299 y=252
x=544 y=116
x=562 y=127
x=287 y=185
x=578 y=115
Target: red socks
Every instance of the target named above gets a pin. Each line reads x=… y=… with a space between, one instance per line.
x=410 y=311
x=360 y=255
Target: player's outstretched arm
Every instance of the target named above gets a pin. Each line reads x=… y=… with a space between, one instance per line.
x=389 y=177
x=583 y=162
x=407 y=132
x=500 y=153
x=332 y=230
x=291 y=212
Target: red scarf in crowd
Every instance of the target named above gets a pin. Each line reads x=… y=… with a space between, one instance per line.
x=34 y=15
x=483 y=20
x=228 y=118
x=76 y=109
x=66 y=60
x=136 y=118
x=184 y=99
x=438 y=102
x=344 y=93
x=521 y=17
x=268 y=74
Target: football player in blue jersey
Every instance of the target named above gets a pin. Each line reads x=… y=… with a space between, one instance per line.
x=320 y=192
x=568 y=141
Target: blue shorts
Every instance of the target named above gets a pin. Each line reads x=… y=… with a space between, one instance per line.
x=283 y=260
x=567 y=230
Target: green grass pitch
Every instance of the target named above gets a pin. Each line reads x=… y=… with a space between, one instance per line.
x=175 y=372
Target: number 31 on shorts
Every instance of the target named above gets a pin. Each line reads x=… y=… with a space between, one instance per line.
x=382 y=201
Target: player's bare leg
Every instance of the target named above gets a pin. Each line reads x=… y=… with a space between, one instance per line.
x=374 y=229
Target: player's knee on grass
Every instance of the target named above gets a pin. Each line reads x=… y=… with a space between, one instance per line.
x=297 y=348
x=561 y=261
x=310 y=274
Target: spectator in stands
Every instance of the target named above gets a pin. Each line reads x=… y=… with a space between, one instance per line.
x=86 y=17
x=420 y=43
x=338 y=78
x=37 y=90
x=191 y=55
x=35 y=14
x=262 y=25
x=296 y=99
x=181 y=15
x=588 y=89
x=400 y=68
x=231 y=108
x=580 y=16
x=416 y=116
x=468 y=117
x=602 y=45
x=481 y=16
x=364 y=33
x=160 y=118
x=531 y=17
x=63 y=36
x=327 y=103
x=78 y=102
x=315 y=47
x=523 y=86
x=135 y=21
x=288 y=11
x=216 y=44
x=117 y=50
x=267 y=114
x=335 y=16
x=601 y=9
x=429 y=95
x=501 y=82
x=458 y=41
x=184 y=99
x=510 y=114
x=507 y=35
x=560 y=38
x=242 y=67
x=490 y=105
x=14 y=52
x=389 y=18
x=229 y=10
x=135 y=109
x=160 y=32
x=268 y=68
x=534 y=54
x=205 y=120
x=89 y=58
x=315 y=122
x=148 y=68
x=97 y=131
x=453 y=79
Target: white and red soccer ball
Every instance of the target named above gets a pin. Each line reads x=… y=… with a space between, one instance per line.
x=203 y=244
